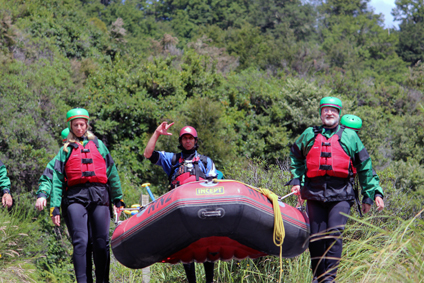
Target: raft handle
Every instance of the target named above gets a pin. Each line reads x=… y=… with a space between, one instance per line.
x=203 y=213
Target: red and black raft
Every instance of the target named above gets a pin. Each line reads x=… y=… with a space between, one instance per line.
x=207 y=221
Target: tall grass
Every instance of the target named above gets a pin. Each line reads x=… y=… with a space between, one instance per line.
x=31 y=249
x=18 y=242
x=373 y=254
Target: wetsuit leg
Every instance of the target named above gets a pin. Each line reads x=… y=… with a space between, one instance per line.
x=208 y=271
x=77 y=225
x=336 y=224
x=325 y=246
x=190 y=270
x=317 y=245
x=89 y=257
x=89 y=248
x=99 y=217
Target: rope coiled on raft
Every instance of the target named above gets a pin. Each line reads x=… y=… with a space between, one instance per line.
x=279 y=231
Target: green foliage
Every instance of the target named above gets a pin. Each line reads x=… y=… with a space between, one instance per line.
x=195 y=13
x=284 y=18
x=353 y=40
x=251 y=46
x=54 y=21
x=56 y=265
x=410 y=14
x=247 y=74
x=22 y=243
x=416 y=77
x=31 y=116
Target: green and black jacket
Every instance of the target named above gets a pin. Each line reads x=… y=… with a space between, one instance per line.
x=45 y=182
x=85 y=193
x=328 y=188
x=4 y=180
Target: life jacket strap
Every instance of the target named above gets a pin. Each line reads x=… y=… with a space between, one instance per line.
x=325 y=154
x=87 y=160
x=88 y=173
x=325 y=167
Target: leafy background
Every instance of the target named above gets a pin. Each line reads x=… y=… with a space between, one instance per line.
x=247 y=74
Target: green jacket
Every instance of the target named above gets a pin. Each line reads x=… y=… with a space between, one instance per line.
x=59 y=177
x=4 y=180
x=45 y=182
x=354 y=148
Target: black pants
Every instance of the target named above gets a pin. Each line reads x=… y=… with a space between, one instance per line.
x=98 y=217
x=191 y=271
x=89 y=265
x=326 y=244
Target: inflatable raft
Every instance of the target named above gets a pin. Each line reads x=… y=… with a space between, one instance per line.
x=207 y=221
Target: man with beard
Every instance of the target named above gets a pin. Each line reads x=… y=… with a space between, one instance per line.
x=182 y=168
x=323 y=161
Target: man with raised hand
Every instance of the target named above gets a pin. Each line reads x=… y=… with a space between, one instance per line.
x=182 y=168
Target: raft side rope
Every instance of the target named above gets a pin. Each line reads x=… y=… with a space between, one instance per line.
x=279 y=231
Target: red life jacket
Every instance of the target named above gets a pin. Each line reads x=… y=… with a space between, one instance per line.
x=188 y=170
x=327 y=157
x=85 y=164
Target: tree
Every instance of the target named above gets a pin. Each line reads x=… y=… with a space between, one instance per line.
x=354 y=39
x=281 y=18
x=410 y=14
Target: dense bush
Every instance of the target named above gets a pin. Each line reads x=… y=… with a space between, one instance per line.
x=247 y=74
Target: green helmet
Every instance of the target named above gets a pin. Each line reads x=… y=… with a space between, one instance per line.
x=64 y=134
x=351 y=122
x=330 y=102
x=75 y=114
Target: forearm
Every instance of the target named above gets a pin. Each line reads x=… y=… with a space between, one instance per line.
x=150 y=147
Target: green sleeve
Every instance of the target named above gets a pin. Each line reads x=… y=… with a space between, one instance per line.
x=368 y=179
x=112 y=174
x=58 y=181
x=4 y=180
x=46 y=180
x=298 y=153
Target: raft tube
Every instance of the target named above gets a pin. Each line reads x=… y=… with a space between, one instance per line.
x=207 y=221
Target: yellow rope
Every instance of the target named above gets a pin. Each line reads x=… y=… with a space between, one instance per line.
x=279 y=232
